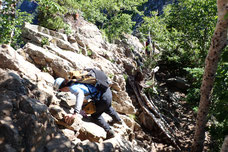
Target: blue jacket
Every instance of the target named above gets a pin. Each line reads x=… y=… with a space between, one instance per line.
x=82 y=92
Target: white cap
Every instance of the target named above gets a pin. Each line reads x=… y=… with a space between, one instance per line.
x=58 y=83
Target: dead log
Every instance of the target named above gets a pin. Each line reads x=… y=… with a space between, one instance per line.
x=151 y=110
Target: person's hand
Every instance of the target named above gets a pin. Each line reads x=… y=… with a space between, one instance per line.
x=83 y=113
x=69 y=118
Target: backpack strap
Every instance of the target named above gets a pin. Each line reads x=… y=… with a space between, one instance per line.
x=94 y=94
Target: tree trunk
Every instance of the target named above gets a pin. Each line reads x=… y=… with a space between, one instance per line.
x=218 y=43
x=225 y=145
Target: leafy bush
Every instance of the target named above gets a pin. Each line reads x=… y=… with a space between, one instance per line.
x=111 y=16
x=219 y=105
x=44 y=41
x=119 y=25
x=196 y=20
x=175 y=31
x=51 y=14
x=195 y=78
x=11 y=21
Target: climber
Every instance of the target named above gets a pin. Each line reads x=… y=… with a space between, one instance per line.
x=147 y=46
x=86 y=91
x=76 y=17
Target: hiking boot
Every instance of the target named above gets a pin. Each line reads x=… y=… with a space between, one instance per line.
x=110 y=134
x=115 y=122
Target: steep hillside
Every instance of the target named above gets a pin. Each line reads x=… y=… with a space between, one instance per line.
x=32 y=112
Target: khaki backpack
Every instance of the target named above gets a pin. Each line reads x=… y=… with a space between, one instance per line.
x=90 y=76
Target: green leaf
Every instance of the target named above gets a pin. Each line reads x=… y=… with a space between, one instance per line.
x=226 y=16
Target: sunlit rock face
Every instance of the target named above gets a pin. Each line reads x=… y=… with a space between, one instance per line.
x=32 y=113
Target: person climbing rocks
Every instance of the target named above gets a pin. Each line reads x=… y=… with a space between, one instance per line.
x=147 y=47
x=85 y=92
x=76 y=17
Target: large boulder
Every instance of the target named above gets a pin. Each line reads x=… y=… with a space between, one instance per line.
x=42 y=36
x=90 y=36
x=14 y=61
x=25 y=122
x=47 y=60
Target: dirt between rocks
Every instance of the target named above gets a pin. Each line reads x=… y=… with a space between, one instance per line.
x=180 y=116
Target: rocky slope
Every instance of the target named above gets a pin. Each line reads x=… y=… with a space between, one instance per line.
x=31 y=113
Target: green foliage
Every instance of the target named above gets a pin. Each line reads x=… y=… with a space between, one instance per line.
x=219 y=108
x=195 y=109
x=151 y=90
x=195 y=78
x=89 y=53
x=219 y=104
x=133 y=116
x=50 y=14
x=119 y=25
x=111 y=76
x=92 y=11
x=44 y=41
x=100 y=10
x=111 y=16
x=151 y=61
x=218 y=131
x=194 y=15
x=184 y=33
x=71 y=6
x=11 y=21
x=175 y=31
x=67 y=29
x=125 y=77
x=156 y=27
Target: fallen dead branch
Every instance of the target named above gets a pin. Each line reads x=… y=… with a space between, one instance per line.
x=151 y=110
